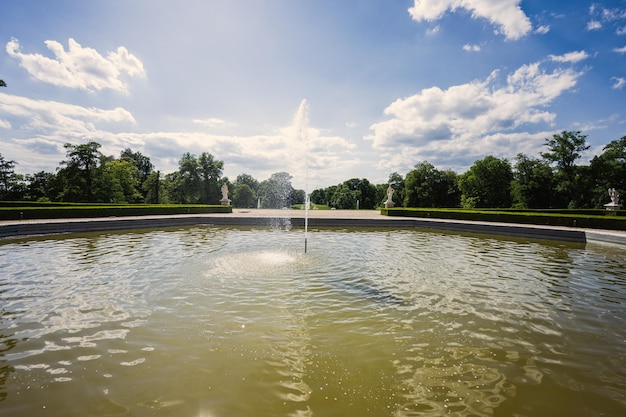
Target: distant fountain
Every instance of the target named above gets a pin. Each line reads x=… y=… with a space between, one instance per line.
x=301 y=123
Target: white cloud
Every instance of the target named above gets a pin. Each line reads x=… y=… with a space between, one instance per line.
x=39 y=129
x=213 y=122
x=470 y=120
x=505 y=14
x=594 y=25
x=571 y=57
x=471 y=48
x=79 y=67
x=621 y=31
x=433 y=31
x=621 y=50
x=542 y=30
x=620 y=82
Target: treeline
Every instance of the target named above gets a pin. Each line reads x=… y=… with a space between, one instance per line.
x=553 y=180
x=88 y=176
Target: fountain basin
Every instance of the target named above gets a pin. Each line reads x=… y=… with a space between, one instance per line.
x=224 y=320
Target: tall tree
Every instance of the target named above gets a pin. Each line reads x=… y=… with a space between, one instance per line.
x=7 y=177
x=197 y=179
x=2 y=83
x=209 y=171
x=39 y=186
x=276 y=191
x=79 y=172
x=248 y=180
x=533 y=182
x=187 y=179
x=117 y=182
x=609 y=171
x=426 y=186
x=344 y=198
x=154 y=189
x=142 y=163
x=487 y=183
x=565 y=149
x=243 y=196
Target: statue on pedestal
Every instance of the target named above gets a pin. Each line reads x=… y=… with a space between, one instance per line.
x=614 y=204
x=389 y=203
x=225 y=201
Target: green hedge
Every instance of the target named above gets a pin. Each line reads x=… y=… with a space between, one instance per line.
x=613 y=221
x=81 y=210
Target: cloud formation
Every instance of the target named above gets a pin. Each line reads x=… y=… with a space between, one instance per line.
x=571 y=57
x=79 y=67
x=471 y=48
x=41 y=127
x=464 y=121
x=620 y=82
x=506 y=15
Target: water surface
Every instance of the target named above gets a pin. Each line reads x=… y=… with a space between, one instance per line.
x=209 y=321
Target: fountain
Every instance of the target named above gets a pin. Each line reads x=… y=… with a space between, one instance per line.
x=222 y=321
x=301 y=123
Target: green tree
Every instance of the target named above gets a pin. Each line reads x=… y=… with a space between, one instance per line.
x=249 y=180
x=565 y=149
x=244 y=196
x=533 y=183
x=298 y=196
x=361 y=190
x=154 y=189
x=117 y=182
x=209 y=172
x=426 y=186
x=244 y=192
x=276 y=191
x=143 y=165
x=7 y=178
x=608 y=170
x=79 y=171
x=323 y=196
x=487 y=183
x=344 y=198
x=2 y=83
x=39 y=186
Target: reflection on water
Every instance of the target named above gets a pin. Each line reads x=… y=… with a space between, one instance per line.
x=211 y=321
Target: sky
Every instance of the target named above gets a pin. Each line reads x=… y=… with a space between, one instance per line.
x=325 y=90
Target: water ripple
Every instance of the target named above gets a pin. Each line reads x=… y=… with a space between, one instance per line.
x=227 y=321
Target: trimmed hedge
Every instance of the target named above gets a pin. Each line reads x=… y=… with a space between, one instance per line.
x=613 y=221
x=64 y=211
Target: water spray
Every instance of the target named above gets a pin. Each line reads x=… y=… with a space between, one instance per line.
x=302 y=126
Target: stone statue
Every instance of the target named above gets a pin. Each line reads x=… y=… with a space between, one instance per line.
x=389 y=203
x=225 y=201
x=614 y=204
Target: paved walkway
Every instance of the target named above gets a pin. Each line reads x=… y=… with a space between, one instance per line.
x=316 y=218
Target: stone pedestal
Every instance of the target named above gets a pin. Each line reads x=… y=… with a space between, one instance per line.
x=613 y=206
x=389 y=204
x=225 y=202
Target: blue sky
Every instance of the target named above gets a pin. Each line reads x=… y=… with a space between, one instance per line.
x=388 y=83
